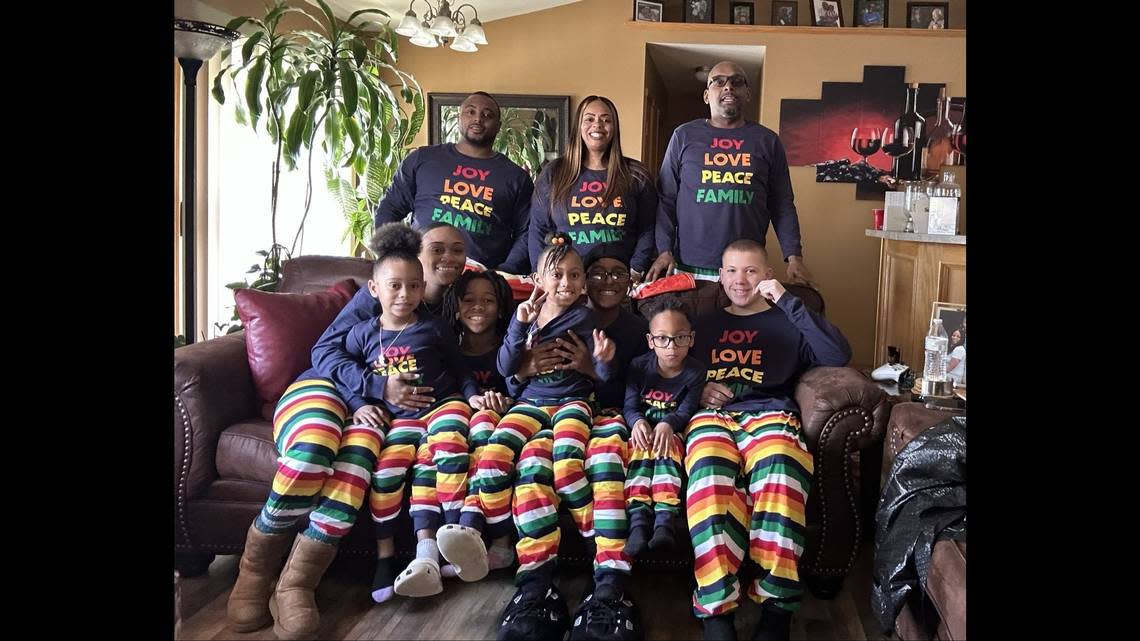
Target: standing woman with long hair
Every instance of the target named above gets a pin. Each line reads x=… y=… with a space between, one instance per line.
x=595 y=194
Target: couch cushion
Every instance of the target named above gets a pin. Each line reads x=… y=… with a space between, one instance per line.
x=280 y=330
x=946 y=587
x=307 y=274
x=246 y=452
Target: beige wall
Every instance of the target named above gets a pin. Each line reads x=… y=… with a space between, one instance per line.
x=587 y=48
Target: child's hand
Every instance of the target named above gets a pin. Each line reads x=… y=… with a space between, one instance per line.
x=770 y=289
x=477 y=402
x=604 y=348
x=527 y=311
x=640 y=438
x=543 y=357
x=715 y=395
x=575 y=352
x=662 y=439
x=368 y=415
x=499 y=402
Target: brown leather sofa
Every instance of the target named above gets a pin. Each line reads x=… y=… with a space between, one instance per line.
x=946 y=577
x=224 y=456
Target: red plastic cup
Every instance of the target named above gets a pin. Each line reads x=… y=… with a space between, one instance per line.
x=878 y=213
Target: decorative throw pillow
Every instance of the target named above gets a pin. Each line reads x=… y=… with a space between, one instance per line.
x=280 y=331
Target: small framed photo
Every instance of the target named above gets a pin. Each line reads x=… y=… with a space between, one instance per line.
x=826 y=13
x=953 y=317
x=698 y=11
x=647 y=10
x=927 y=15
x=871 y=13
x=742 y=12
x=785 y=14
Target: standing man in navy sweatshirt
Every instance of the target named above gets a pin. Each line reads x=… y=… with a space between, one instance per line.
x=723 y=178
x=470 y=186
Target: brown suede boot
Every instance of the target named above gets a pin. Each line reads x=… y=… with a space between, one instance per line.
x=294 y=606
x=248 y=607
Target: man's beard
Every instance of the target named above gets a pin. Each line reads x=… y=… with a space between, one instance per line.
x=486 y=140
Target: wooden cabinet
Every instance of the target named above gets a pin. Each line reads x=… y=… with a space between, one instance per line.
x=913 y=274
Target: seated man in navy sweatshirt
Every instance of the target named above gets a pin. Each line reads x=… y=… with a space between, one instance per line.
x=470 y=186
x=754 y=352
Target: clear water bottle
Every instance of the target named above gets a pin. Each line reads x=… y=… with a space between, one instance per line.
x=934 y=369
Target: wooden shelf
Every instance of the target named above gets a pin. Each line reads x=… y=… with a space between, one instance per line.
x=798 y=30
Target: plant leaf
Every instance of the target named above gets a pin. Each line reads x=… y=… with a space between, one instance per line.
x=354 y=14
x=359 y=51
x=237 y=22
x=217 y=92
x=348 y=86
x=253 y=90
x=250 y=43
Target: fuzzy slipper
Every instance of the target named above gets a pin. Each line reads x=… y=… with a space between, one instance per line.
x=463 y=547
x=420 y=579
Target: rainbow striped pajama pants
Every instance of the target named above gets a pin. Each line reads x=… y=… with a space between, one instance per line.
x=578 y=460
x=324 y=464
x=434 y=447
x=768 y=448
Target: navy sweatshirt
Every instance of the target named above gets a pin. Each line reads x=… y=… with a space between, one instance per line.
x=332 y=361
x=628 y=334
x=589 y=220
x=760 y=357
x=486 y=372
x=651 y=396
x=427 y=346
x=718 y=185
x=487 y=199
x=555 y=385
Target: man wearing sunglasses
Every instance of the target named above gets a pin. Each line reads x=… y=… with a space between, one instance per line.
x=723 y=178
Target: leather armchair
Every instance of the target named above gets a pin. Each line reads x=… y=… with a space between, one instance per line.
x=224 y=456
x=946 y=576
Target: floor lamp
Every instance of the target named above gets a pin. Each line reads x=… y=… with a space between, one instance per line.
x=194 y=43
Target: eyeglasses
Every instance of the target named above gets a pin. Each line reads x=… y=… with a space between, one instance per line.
x=662 y=340
x=618 y=276
x=721 y=81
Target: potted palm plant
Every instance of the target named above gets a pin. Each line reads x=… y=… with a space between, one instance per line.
x=335 y=86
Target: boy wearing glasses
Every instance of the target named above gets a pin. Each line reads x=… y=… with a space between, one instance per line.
x=754 y=351
x=723 y=178
x=662 y=392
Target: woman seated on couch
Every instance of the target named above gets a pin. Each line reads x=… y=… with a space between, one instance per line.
x=323 y=461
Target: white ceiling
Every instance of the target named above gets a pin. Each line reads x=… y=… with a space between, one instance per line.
x=676 y=63
x=488 y=9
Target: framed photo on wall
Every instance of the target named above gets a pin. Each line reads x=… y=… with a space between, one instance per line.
x=871 y=13
x=549 y=114
x=927 y=15
x=785 y=14
x=953 y=317
x=742 y=12
x=826 y=13
x=698 y=11
x=647 y=10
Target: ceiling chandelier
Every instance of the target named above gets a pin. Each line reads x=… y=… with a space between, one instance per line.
x=442 y=26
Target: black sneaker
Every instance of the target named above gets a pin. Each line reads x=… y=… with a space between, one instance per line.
x=775 y=624
x=535 y=614
x=720 y=628
x=606 y=614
